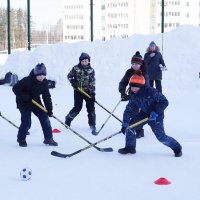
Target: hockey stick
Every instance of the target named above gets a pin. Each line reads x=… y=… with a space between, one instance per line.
x=11 y=122
x=99 y=104
x=110 y=114
x=108 y=117
x=109 y=149
x=57 y=154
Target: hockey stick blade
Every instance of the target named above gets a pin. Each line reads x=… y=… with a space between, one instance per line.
x=109 y=149
x=61 y=155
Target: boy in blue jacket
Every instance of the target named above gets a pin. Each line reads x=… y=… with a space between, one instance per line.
x=152 y=105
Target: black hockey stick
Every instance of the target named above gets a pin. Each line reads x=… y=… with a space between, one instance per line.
x=61 y=155
x=82 y=91
x=109 y=149
x=11 y=122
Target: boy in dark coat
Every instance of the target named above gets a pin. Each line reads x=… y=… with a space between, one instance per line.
x=83 y=76
x=152 y=105
x=31 y=87
x=136 y=64
x=155 y=65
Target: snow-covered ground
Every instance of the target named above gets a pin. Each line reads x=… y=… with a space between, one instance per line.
x=97 y=175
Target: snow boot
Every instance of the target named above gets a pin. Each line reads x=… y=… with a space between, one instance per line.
x=127 y=150
x=178 y=153
x=139 y=133
x=93 y=129
x=22 y=143
x=68 y=120
x=50 y=142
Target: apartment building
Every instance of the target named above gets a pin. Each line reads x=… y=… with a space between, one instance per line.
x=112 y=18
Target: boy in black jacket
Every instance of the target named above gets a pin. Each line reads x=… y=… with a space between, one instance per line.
x=136 y=64
x=31 y=87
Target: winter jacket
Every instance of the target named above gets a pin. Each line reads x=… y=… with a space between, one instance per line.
x=30 y=88
x=153 y=64
x=125 y=80
x=147 y=99
x=83 y=77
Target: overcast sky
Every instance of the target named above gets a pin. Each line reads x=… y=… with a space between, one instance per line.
x=43 y=12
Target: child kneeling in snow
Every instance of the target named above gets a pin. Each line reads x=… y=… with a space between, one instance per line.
x=152 y=105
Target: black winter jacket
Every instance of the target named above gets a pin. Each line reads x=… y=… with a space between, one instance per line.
x=130 y=72
x=30 y=88
x=153 y=64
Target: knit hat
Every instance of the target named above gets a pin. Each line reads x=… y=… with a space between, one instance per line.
x=137 y=80
x=137 y=58
x=84 y=56
x=40 y=69
x=152 y=43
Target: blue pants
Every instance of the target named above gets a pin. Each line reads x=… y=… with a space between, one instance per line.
x=157 y=128
x=26 y=123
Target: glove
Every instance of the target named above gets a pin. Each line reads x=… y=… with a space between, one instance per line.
x=125 y=97
x=152 y=54
x=162 y=68
x=49 y=113
x=92 y=97
x=124 y=126
x=153 y=116
x=74 y=83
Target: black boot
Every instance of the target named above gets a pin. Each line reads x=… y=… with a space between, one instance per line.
x=139 y=133
x=22 y=143
x=93 y=129
x=68 y=120
x=50 y=142
x=127 y=150
x=178 y=153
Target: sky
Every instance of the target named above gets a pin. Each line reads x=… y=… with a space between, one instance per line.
x=99 y=175
x=45 y=12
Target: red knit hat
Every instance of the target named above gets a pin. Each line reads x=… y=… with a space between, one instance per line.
x=137 y=58
x=137 y=80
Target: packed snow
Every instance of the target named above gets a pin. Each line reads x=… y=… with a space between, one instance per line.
x=98 y=175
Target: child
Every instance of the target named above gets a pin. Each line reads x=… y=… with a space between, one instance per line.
x=31 y=87
x=83 y=76
x=152 y=105
x=136 y=64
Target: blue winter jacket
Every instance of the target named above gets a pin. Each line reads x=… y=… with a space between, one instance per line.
x=147 y=99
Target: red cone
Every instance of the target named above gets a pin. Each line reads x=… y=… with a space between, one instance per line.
x=55 y=130
x=162 y=181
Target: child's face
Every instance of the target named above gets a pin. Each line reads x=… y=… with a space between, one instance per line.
x=85 y=62
x=136 y=66
x=135 y=89
x=40 y=78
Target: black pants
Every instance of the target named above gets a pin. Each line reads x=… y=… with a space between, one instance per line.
x=78 y=104
x=158 y=84
x=26 y=123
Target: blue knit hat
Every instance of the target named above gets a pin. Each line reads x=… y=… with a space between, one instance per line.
x=40 y=69
x=84 y=56
x=152 y=44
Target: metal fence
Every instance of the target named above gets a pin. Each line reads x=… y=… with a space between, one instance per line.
x=45 y=23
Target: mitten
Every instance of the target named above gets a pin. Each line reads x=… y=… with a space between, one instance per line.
x=74 y=83
x=92 y=95
x=153 y=116
x=50 y=113
x=125 y=97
